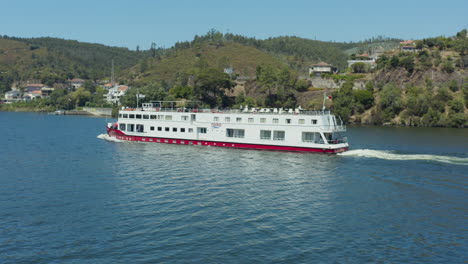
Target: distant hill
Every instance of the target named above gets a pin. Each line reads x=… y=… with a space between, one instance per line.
x=52 y=60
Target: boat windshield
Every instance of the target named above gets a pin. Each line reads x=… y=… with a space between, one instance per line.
x=335 y=138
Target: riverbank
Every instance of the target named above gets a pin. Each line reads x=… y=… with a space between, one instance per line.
x=94 y=111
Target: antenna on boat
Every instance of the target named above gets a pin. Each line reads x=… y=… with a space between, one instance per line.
x=324 y=97
x=137 y=96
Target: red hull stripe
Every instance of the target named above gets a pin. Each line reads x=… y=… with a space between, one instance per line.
x=120 y=135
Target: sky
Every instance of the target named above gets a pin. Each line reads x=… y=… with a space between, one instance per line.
x=164 y=22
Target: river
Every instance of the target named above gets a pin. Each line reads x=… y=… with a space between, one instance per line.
x=69 y=196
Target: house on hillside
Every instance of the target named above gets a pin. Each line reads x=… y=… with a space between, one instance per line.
x=28 y=96
x=408 y=48
x=407 y=43
x=114 y=93
x=363 y=58
x=321 y=67
x=12 y=96
x=33 y=87
x=46 y=91
x=76 y=83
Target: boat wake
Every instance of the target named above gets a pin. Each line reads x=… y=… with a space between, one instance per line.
x=109 y=138
x=390 y=155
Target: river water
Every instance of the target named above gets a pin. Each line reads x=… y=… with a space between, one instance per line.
x=67 y=195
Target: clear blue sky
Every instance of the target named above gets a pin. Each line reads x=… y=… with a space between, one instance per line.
x=141 y=22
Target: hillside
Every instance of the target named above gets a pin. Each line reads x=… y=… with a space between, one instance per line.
x=51 y=60
x=186 y=61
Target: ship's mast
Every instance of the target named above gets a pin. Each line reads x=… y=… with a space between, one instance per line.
x=112 y=74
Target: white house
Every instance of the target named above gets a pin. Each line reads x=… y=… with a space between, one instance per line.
x=77 y=83
x=114 y=93
x=321 y=67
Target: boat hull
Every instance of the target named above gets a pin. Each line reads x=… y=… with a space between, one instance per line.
x=121 y=136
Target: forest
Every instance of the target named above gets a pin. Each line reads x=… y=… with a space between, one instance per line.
x=274 y=72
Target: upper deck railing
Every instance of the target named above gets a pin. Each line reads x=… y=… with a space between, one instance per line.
x=262 y=111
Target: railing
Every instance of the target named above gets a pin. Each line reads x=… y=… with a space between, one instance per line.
x=261 y=111
x=338 y=141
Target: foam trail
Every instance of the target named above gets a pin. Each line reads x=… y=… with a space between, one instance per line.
x=388 y=155
x=108 y=138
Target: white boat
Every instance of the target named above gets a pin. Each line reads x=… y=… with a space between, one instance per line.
x=249 y=128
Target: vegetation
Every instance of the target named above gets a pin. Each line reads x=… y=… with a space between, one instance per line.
x=270 y=70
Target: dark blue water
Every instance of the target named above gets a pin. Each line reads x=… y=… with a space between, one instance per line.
x=67 y=196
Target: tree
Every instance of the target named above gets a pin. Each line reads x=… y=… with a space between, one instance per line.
x=359 y=67
x=448 y=67
x=153 y=50
x=390 y=100
x=210 y=86
x=267 y=77
x=181 y=91
x=343 y=101
x=364 y=98
x=80 y=96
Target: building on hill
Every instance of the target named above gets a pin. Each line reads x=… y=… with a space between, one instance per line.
x=33 y=87
x=408 y=48
x=363 y=58
x=108 y=86
x=321 y=67
x=46 y=91
x=114 y=93
x=407 y=43
x=76 y=83
x=12 y=96
x=32 y=95
x=229 y=71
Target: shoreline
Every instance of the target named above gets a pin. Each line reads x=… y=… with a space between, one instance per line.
x=91 y=111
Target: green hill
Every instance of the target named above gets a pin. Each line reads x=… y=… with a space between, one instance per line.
x=51 y=60
x=186 y=61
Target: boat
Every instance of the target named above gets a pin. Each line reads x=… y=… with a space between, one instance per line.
x=279 y=129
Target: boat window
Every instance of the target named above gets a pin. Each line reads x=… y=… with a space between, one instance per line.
x=159 y=128
x=262 y=120
x=182 y=130
x=193 y=117
x=130 y=127
x=251 y=120
x=122 y=127
x=275 y=120
x=184 y=118
x=152 y=128
x=166 y=129
x=168 y=117
x=201 y=130
x=239 y=119
x=265 y=134
x=174 y=129
x=160 y=117
x=132 y=116
x=145 y=116
x=120 y=115
x=313 y=137
x=216 y=118
x=125 y=116
x=190 y=130
x=227 y=119
x=152 y=116
x=138 y=116
x=314 y=121
x=301 y=121
x=237 y=133
x=139 y=128
x=278 y=135
x=288 y=121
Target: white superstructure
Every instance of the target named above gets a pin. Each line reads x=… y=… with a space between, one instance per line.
x=275 y=129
